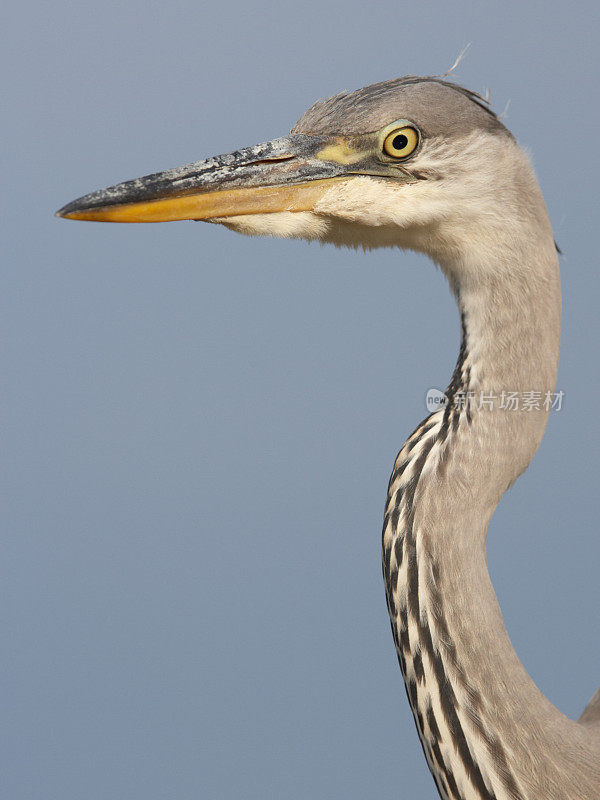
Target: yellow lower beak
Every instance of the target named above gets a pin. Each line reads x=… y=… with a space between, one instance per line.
x=208 y=205
x=286 y=174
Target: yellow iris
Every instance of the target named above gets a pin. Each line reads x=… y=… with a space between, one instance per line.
x=400 y=142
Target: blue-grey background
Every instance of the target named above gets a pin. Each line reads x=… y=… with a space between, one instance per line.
x=199 y=427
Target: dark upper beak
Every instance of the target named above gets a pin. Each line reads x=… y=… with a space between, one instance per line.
x=287 y=174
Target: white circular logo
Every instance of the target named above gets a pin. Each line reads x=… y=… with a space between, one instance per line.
x=435 y=399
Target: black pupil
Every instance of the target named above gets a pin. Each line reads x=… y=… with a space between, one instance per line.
x=399 y=142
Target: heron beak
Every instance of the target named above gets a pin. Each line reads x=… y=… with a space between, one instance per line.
x=287 y=174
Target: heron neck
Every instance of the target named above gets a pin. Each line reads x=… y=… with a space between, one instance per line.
x=466 y=686
x=504 y=383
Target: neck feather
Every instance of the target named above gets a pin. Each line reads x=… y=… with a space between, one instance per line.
x=483 y=723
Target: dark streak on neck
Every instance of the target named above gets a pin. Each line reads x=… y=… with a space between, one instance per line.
x=403 y=546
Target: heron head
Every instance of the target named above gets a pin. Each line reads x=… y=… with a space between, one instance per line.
x=405 y=162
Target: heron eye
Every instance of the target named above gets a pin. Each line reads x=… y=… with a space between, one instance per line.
x=400 y=142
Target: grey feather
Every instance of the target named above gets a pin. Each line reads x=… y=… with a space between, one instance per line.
x=438 y=107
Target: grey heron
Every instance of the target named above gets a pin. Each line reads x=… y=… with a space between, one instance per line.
x=424 y=164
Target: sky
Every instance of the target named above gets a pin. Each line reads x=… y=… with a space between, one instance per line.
x=198 y=427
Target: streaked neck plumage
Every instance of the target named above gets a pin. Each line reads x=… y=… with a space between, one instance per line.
x=482 y=721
